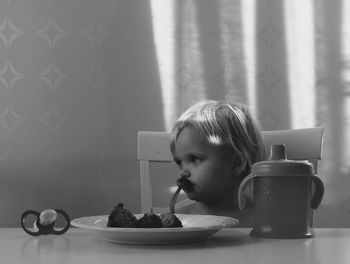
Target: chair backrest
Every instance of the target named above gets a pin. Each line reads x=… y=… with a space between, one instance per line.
x=301 y=144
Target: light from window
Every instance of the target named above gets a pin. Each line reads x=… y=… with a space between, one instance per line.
x=299 y=22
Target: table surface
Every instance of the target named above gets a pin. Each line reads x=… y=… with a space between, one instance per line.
x=231 y=245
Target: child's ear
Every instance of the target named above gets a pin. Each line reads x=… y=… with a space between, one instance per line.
x=238 y=167
x=237 y=170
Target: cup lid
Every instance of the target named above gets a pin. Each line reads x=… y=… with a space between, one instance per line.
x=278 y=164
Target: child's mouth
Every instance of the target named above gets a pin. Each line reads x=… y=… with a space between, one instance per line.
x=185 y=184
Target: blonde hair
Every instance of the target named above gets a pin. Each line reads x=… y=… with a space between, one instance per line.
x=226 y=124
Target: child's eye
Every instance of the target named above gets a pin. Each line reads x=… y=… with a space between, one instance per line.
x=194 y=159
x=178 y=163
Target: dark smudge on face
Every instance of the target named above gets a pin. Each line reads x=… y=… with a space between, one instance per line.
x=185 y=184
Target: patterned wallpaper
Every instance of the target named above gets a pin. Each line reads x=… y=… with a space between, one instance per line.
x=79 y=78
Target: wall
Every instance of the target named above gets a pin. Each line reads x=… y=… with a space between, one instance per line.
x=77 y=80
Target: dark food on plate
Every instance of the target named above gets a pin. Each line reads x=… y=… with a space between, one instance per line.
x=122 y=217
x=149 y=221
x=170 y=220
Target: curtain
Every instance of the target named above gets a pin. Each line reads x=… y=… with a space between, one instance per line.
x=288 y=60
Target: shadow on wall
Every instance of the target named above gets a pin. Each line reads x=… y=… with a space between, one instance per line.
x=68 y=184
x=131 y=102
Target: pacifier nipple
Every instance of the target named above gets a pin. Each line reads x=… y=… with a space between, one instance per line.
x=47 y=216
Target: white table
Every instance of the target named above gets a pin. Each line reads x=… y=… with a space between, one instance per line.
x=227 y=246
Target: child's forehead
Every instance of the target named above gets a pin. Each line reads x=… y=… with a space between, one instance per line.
x=190 y=139
x=190 y=134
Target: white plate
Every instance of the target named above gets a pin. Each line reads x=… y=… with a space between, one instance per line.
x=195 y=228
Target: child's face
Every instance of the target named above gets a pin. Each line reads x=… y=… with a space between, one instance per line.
x=208 y=171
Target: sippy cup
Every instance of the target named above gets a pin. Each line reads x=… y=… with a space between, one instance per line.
x=282 y=196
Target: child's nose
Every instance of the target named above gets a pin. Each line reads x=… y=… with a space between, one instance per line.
x=185 y=173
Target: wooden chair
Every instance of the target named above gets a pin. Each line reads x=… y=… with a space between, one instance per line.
x=301 y=144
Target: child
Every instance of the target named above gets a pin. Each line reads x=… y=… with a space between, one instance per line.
x=215 y=144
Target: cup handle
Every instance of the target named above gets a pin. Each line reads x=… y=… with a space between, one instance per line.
x=319 y=191
x=240 y=200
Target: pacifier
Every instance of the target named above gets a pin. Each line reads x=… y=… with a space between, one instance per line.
x=44 y=223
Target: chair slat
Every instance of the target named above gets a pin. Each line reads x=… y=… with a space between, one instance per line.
x=154 y=146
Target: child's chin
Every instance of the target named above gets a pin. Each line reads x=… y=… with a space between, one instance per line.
x=191 y=195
